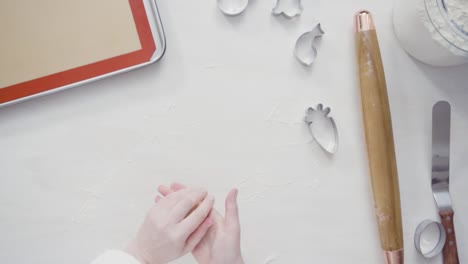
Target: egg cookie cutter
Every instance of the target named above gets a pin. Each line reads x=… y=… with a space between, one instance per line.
x=232 y=7
x=322 y=128
x=287 y=8
x=305 y=49
x=426 y=245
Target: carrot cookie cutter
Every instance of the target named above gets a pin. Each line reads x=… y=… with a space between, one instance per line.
x=322 y=128
x=288 y=8
x=429 y=238
x=232 y=7
x=305 y=50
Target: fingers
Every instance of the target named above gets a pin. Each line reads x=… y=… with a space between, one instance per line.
x=192 y=221
x=195 y=238
x=232 y=210
x=171 y=200
x=157 y=198
x=164 y=190
x=187 y=202
x=177 y=186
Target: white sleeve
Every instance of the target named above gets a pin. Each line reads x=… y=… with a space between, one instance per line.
x=115 y=257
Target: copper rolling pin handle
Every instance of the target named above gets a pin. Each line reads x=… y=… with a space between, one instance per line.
x=364 y=21
x=379 y=138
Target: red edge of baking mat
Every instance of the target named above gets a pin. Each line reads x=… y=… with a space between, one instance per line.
x=85 y=72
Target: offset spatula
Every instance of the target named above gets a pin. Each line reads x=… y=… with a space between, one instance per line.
x=440 y=176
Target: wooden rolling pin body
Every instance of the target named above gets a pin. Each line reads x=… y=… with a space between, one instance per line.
x=380 y=145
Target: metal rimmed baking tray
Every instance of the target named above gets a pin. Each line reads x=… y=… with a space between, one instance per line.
x=53 y=45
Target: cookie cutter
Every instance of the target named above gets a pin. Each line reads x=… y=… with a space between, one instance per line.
x=293 y=8
x=322 y=128
x=232 y=7
x=426 y=242
x=305 y=50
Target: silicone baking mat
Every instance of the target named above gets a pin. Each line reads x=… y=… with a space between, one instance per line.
x=48 y=44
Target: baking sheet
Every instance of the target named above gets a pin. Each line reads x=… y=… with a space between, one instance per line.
x=51 y=44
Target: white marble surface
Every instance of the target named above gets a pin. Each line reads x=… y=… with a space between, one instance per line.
x=222 y=109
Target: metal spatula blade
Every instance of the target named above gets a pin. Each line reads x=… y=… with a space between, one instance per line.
x=441 y=155
x=440 y=177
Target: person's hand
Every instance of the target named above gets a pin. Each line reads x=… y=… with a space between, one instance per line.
x=221 y=244
x=171 y=229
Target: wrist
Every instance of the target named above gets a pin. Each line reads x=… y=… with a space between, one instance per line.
x=135 y=251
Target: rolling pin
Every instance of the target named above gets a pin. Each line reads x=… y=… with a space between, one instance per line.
x=379 y=138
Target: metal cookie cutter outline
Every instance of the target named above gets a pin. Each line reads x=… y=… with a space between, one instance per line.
x=311 y=114
x=233 y=11
x=276 y=12
x=308 y=59
x=420 y=231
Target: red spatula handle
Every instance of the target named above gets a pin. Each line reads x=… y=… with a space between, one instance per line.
x=450 y=248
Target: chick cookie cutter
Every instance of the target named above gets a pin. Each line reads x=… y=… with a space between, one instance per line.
x=429 y=238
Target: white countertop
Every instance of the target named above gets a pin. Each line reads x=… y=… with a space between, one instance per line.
x=223 y=108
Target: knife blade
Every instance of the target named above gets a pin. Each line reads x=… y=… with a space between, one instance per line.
x=441 y=114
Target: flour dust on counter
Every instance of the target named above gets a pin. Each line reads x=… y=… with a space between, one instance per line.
x=274 y=258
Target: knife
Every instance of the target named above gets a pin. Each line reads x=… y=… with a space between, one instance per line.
x=440 y=176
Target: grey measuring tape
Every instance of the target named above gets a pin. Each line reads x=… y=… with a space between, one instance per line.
x=429 y=238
